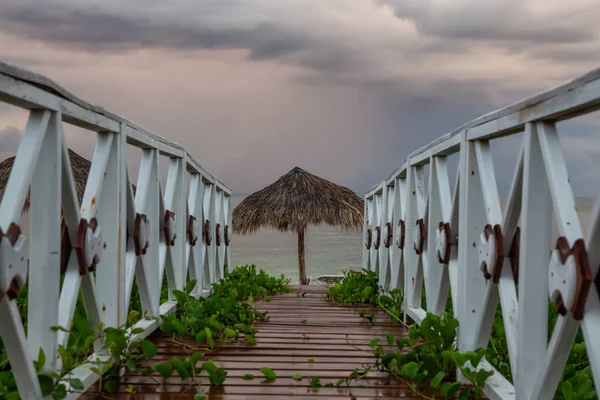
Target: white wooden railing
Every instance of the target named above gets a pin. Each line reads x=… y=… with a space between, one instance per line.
x=114 y=233
x=418 y=231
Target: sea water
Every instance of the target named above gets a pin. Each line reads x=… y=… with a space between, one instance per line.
x=328 y=250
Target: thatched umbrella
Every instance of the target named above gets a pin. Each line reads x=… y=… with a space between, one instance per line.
x=296 y=200
x=79 y=165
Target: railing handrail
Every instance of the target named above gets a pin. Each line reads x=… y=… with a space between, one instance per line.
x=457 y=239
x=109 y=238
x=103 y=116
x=529 y=109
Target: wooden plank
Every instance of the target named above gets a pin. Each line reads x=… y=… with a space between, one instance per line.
x=338 y=342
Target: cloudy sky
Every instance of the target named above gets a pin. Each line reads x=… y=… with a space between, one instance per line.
x=343 y=88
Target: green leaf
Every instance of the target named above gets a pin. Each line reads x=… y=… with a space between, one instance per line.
x=76 y=384
x=311 y=361
x=130 y=365
x=230 y=332
x=209 y=338
x=190 y=286
x=409 y=369
x=566 y=388
x=250 y=299
x=213 y=321
x=314 y=382
x=268 y=373
x=137 y=331
x=435 y=382
x=200 y=396
x=250 y=339
x=148 y=348
x=339 y=383
x=248 y=377
x=374 y=342
x=201 y=337
x=41 y=361
x=450 y=388
x=196 y=357
x=482 y=375
x=110 y=386
x=60 y=392
x=46 y=384
x=163 y=369
x=180 y=367
x=461 y=358
x=297 y=377
x=390 y=339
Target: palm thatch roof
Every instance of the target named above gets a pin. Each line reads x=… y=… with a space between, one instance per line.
x=79 y=165
x=296 y=200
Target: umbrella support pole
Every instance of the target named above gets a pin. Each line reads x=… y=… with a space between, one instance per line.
x=301 y=265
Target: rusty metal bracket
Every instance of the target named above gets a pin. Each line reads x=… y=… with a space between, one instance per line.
x=218 y=234
x=570 y=277
x=88 y=245
x=169 y=228
x=226 y=235
x=192 y=230
x=141 y=234
x=207 y=233
x=389 y=234
x=401 y=234
x=377 y=238
x=419 y=236
x=13 y=262
x=444 y=243
x=491 y=252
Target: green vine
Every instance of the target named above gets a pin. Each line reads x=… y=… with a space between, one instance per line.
x=362 y=288
x=210 y=321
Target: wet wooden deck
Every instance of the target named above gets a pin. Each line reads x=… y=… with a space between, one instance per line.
x=285 y=344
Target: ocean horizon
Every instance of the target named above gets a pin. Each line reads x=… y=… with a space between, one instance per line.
x=328 y=250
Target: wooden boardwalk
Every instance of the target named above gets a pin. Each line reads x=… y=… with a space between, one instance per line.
x=285 y=344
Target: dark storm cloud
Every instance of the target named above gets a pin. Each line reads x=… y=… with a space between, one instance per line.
x=367 y=97
x=495 y=21
x=93 y=29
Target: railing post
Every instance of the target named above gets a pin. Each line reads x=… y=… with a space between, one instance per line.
x=149 y=267
x=365 y=251
x=375 y=221
x=383 y=249
x=209 y=242
x=112 y=215
x=397 y=254
x=219 y=229
x=413 y=277
x=436 y=273
x=44 y=263
x=471 y=282
x=228 y=213
x=194 y=231
x=175 y=203
x=536 y=227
